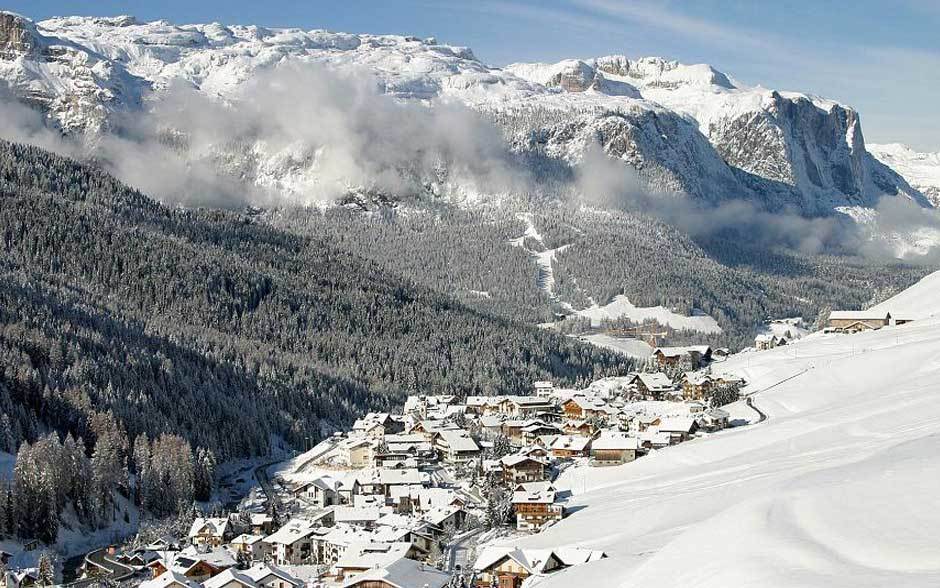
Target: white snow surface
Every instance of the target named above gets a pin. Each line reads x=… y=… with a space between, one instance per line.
x=920 y=301
x=626 y=345
x=621 y=306
x=838 y=488
x=921 y=170
x=791 y=328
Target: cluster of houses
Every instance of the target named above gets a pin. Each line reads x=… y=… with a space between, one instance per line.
x=378 y=507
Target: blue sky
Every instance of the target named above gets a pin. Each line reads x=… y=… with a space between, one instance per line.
x=881 y=57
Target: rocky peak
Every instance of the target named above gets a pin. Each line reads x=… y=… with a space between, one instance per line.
x=18 y=36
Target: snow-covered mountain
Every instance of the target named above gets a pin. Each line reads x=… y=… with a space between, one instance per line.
x=684 y=128
x=921 y=170
x=790 y=148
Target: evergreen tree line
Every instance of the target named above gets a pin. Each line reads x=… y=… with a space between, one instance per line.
x=739 y=282
x=224 y=331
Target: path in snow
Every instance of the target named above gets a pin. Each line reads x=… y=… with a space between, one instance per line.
x=546 y=275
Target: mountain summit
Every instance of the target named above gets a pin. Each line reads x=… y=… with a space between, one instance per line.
x=684 y=128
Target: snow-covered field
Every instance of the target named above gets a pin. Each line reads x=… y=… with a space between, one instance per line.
x=914 y=303
x=837 y=488
x=621 y=306
x=627 y=345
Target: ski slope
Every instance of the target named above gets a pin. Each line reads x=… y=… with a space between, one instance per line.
x=838 y=488
x=918 y=301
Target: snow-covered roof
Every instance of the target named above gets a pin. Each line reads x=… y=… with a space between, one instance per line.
x=681 y=351
x=515 y=459
x=656 y=382
x=372 y=555
x=459 y=440
x=247 y=539
x=534 y=493
x=216 y=527
x=293 y=531
x=676 y=424
x=228 y=576
x=438 y=515
x=859 y=315
x=610 y=440
x=697 y=378
x=403 y=573
x=571 y=442
x=262 y=571
x=169 y=578
x=391 y=476
x=354 y=514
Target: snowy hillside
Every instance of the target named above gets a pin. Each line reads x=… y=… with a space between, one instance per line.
x=684 y=128
x=834 y=489
x=921 y=170
x=919 y=301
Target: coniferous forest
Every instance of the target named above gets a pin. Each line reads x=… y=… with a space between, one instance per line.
x=163 y=340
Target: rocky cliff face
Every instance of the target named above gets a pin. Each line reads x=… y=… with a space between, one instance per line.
x=17 y=36
x=685 y=128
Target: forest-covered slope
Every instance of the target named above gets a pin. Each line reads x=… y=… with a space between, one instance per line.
x=223 y=330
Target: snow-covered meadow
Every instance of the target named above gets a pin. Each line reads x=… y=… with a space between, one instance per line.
x=837 y=488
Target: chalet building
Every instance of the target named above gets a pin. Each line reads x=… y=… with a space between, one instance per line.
x=292 y=544
x=653 y=386
x=261 y=523
x=257 y=576
x=456 y=446
x=694 y=356
x=250 y=545
x=508 y=567
x=543 y=389
x=851 y=321
x=581 y=407
x=404 y=573
x=361 y=557
x=579 y=428
x=614 y=449
x=715 y=419
x=512 y=429
x=525 y=406
x=571 y=446
x=192 y=565
x=646 y=422
x=653 y=439
x=519 y=468
x=359 y=453
x=535 y=429
x=211 y=532
x=766 y=341
x=679 y=428
x=164 y=580
x=535 y=451
x=380 y=481
x=571 y=408
x=696 y=386
x=430 y=429
x=535 y=506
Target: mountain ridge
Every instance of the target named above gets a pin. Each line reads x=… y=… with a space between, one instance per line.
x=782 y=150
